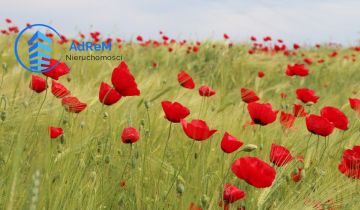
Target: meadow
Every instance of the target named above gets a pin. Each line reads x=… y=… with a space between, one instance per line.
x=89 y=166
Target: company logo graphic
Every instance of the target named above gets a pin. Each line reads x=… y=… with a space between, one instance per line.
x=39 y=48
x=39 y=60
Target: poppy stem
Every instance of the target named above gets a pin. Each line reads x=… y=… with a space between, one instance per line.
x=42 y=104
x=317 y=144
x=128 y=162
x=163 y=156
x=322 y=154
x=149 y=121
x=307 y=144
x=181 y=168
x=201 y=106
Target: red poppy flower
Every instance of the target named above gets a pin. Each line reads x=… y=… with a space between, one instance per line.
x=59 y=90
x=283 y=95
x=8 y=20
x=175 y=111
x=193 y=206
x=248 y=95
x=122 y=183
x=296 y=46
x=299 y=110
x=261 y=113
x=108 y=95
x=309 y=61
x=185 y=80
x=333 y=54
x=55 y=132
x=254 y=171
x=37 y=84
x=130 y=135
x=253 y=38
x=279 y=155
x=14 y=29
x=139 y=38
x=267 y=38
x=355 y=104
x=60 y=70
x=72 y=104
x=206 y=91
x=195 y=49
x=124 y=81
x=319 y=125
x=287 y=120
x=306 y=95
x=296 y=176
x=350 y=163
x=226 y=36
x=197 y=129
x=261 y=74
x=321 y=60
x=335 y=116
x=297 y=69
x=232 y=194
x=229 y=143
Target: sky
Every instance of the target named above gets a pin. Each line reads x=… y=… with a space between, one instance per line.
x=302 y=21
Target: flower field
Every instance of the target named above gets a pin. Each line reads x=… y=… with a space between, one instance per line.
x=181 y=124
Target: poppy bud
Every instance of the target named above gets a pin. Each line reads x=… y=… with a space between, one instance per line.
x=107 y=159
x=180 y=188
x=5 y=67
x=105 y=115
x=26 y=104
x=82 y=124
x=68 y=79
x=204 y=200
x=147 y=132
x=142 y=122
x=147 y=104
x=99 y=147
x=122 y=183
x=249 y=148
x=3 y=116
x=180 y=179
x=287 y=178
x=62 y=138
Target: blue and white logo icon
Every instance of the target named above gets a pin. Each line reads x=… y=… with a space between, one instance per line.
x=39 y=51
x=39 y=48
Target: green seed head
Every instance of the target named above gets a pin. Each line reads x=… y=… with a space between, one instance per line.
x=249 y=148
x=3 y=116
x=180 y=188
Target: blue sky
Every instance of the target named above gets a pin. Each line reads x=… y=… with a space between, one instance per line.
x=303 y=21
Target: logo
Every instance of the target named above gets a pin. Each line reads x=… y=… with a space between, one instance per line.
x=39 y=48
x=90 y=46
